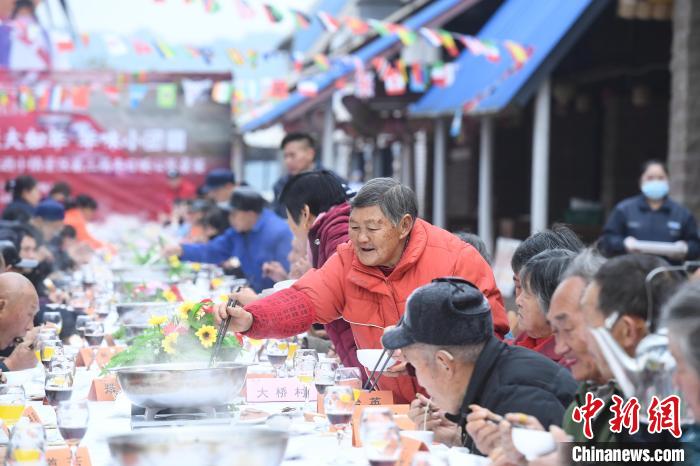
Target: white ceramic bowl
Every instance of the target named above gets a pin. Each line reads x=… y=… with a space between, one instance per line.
x=533 y=443
x=283 y=285
x=370 y=357
x=425 y=436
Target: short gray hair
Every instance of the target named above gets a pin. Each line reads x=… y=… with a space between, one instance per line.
x=585 y=265
x=393 y=198
x=467 y=354
x=682 y=315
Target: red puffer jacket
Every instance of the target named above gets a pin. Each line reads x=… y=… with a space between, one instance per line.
x=328 y=232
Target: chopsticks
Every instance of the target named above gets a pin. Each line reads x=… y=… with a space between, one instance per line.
x=223 y=326
x=425 y=414
x=374 y=376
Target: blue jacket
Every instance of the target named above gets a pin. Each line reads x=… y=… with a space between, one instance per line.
x=269 y=240
x=633 y=217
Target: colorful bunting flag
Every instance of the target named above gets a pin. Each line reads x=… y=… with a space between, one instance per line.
x=85 y=39
x=207 y=54
x=244 y=9
x=364 y=84
x=221 y=92
x=164 y=50
x=298 y=59
x=329 y=23
x=448 y=42
x=115 y=45
x=235 y=56
x=137 y=92
x=380 y=27
x=211 y=6
x=112 y=94
x=481 y=48
x=406 y=36
x=253 y=57
x=56 y=99
x=381 y=66
x=279 y=89
x=27 y=99
x=302 y=20
x=80 y=96
x=357 y=26
x=166 y=95
x=63 y=41
x=418 y=82
x=431 y=36
x=274 y=15
x=322 y=61
x=141 y=47
x=394 y=84
x=519 y=53
x=307 y=88
x=401 y=68
x=492 y=52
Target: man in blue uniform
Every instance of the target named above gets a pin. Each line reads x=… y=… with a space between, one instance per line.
x=256 y=236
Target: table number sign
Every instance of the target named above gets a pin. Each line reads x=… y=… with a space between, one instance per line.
x=104 y=389
x=266 y=390
x=409 y=448
x=61 y=457
x=104 y=354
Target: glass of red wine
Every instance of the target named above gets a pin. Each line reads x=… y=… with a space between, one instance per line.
x=72 y=420
x=94 y=334
x=338 y=403
x=380 y=439
x=58 y=387
x=81 y=322
x=277 y=352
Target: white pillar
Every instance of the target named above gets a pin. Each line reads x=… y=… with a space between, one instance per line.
x=327 y=152
x=439 y=201
x=486 y=183
x=420 y=151
x=539 y=197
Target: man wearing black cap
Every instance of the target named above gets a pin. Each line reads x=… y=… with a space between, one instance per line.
x=48 y=218
x=219 y=185
x=446 y=335
x=256 y=236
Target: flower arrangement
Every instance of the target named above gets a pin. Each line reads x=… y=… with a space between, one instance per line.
x=187 y=337
x=152 y=292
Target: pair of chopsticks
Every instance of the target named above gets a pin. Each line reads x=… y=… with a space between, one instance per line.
x=376 y=373
x=223 y=326
x=425 y=414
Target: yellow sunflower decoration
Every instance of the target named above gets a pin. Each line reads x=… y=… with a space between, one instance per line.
x=170 y=296
x=157 y=320
x=169 y=343
x=184 y=309
x=207 y=335
x=174 y=261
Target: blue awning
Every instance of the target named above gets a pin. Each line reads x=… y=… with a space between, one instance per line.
x=339 y=69
x=550 y=27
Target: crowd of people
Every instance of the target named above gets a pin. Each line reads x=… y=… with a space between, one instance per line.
x=370 y=274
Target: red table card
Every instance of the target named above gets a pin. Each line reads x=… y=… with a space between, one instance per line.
x=104 y=389
x=378 y=398
x=397 y=411
x=409 y=448
x=31 y=413
x=104 y=354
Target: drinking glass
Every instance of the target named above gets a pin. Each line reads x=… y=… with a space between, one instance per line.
x=63 y=361
x=339 y=404
x=94 y=334
x=27 y=445
x=324 y=375
x=72 y=420
x=380 y=440
x=58 y=387
x=277 y=352
x=12 y=401
x=54 y=317
x=351 y=377
x=48 y=349
x=80 y=324
x=304 y=366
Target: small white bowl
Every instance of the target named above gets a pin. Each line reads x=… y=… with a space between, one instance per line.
x=533 y=443
x=425 y=436
x=283 y=285
x=370 y=357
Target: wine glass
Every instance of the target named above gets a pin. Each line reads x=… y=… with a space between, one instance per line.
x=27 y=444
x=48 y=349
x=12 y=402
x=339 y=404
x=256 y=346
x=324 y=375
x=72 y=420
x=94 y=334
x=81 y=322
x=277 y=352
x=304 y=366
x=58 y=387
x=380 y=440
x=55 y=318
x=351 y=377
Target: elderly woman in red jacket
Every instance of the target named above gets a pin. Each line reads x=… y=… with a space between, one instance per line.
x=367 y=281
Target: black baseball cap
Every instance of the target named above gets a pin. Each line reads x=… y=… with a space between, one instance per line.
x=246 y=198
x=449 y=311
x=217 y=178
x=50 y=210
